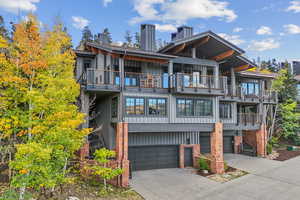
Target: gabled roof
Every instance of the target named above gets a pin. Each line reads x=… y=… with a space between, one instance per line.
x=198 y=37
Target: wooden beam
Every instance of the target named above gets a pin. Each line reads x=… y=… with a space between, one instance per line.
x=179 y=48
x=153 y=60
x=224 y=55
x=202 y=42
x=241 y=68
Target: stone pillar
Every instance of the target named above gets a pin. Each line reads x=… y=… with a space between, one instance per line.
x=216 y=141
x=122 y=152
x=238 y=140
x=196 y=154
x=261 y=141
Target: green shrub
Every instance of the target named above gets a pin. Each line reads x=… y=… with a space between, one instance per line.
x=203 y=164
x=269 y=148
x=14 y=195
x=225 y=166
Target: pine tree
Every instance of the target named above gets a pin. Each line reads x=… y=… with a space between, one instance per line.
x=87 y=35
x=128 y=38
x=3 y=30
x=107 y=34
x=137 y=43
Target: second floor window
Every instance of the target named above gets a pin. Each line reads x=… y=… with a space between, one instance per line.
x=194 y=107
x=225 y=111
x=135 y=106
x=157 y=106
x=250 y=88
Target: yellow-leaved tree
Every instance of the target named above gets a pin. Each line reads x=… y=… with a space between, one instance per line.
x=37 y=108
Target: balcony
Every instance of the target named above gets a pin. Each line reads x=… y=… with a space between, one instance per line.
x=103 y=80
x=198 y=84
x=146 y=82
x=107 y=80
x=242 y=95
x=249 y=120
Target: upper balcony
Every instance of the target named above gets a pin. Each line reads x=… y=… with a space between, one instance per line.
x=107 y=80
x=241 y=94
x=198 y=84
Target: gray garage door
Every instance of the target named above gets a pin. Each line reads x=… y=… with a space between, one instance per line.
x=228 y=144
x=153 y=157
x=205 y=144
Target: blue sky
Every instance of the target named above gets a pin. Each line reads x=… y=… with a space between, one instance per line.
x=265 y=28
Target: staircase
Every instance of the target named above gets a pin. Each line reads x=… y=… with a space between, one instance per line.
x=248 y=150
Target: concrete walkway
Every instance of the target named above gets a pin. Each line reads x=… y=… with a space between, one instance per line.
x=267 y=180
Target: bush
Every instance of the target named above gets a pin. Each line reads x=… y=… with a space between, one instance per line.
x=269 y=148
x=203 y=164
x=14 y=195
x=225 y=166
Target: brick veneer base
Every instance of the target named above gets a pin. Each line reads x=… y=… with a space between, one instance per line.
x=216 y=145
x=196 y=153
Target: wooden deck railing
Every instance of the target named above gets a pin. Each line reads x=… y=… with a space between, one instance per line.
x=248 y=119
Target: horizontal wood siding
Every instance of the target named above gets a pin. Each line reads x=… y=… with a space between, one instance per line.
x=136 y=139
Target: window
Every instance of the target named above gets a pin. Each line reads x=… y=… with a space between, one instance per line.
x=114 y=107
x=194 y=107
x=87 y=63
x=250 y=88
x=135 y=106
x=298 y=89
x=203 y=107
x=225 y=111
x=157 y=106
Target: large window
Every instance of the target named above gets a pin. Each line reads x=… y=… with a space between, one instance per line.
x=225 y=111
x=114 y=107
x=194 y=107
x=135 y=106
x=157 y=106
x=298 y=89
x=250 y=88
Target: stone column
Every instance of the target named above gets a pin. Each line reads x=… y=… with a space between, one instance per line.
x=216 y=140
x=122 y=152
x=238 y=140
x=261 y=141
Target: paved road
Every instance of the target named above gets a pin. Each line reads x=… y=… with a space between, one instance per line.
x=268 y=180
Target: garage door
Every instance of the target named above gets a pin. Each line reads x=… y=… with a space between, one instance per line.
x=228 y=144
x=153 y=157
x=205 y=144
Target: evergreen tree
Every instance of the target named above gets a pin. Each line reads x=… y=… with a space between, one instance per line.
x=87 y=35
x=3 y=30
x=107 y=34
x=137 y=37
x=128 y=38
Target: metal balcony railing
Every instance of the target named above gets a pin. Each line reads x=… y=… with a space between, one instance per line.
x=248 y=119
x=146 y=80
x=97 y=77
x=195 y=80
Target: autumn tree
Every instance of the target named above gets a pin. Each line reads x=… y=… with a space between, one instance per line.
x=37 y=107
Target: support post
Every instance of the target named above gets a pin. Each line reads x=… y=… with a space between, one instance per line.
x=216 y=140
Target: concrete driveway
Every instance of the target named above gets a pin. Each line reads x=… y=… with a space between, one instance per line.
x=268 y=180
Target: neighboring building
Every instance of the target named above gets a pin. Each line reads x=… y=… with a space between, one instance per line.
x=162 y=109
x=295 y=67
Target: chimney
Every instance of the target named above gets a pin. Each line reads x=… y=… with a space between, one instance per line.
x=148 y=37
x=182 y=32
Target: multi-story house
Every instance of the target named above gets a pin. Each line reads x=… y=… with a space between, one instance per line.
x=162 y=109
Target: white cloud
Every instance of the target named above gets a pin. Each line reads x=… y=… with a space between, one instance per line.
x=237 y=29
x=294 y=6
x=106 y=2
x=235 y=39
x=79 y=22
x=264 y=30
x=15 y=6
x=264 y=45
x=292 y=29
x=179 y=11
x=165 y=27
